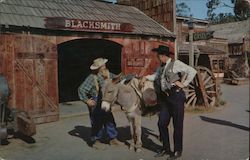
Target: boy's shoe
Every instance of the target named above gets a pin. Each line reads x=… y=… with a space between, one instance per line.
x=98 y=145
x=115 y=142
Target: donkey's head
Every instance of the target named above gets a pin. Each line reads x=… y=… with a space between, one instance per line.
x=109 y=93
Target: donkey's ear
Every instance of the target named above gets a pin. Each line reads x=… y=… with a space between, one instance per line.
x=117 y=78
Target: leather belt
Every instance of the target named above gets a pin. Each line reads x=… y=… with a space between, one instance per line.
x=173 y=90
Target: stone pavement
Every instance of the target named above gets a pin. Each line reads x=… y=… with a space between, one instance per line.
x=220 y=135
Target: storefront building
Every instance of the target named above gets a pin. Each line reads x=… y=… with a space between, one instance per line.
x=209 y=51
x=238 y=37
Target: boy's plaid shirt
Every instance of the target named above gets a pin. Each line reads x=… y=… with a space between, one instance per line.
x=88 y=88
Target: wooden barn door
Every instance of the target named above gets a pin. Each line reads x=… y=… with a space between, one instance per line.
x=36 y=84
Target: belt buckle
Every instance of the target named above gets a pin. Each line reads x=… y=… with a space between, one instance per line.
x=178 y=89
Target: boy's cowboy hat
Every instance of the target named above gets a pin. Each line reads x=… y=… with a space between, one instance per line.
x=97 y=63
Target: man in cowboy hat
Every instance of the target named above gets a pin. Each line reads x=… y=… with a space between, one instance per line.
x=171 y=98
x=90 y=93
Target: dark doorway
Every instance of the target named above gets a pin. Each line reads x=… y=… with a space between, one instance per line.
x=75 y=58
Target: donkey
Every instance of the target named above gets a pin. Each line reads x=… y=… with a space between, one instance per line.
x=128 y=96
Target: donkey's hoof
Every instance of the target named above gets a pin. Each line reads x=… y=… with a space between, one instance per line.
x=138 y=150
x=131 y=147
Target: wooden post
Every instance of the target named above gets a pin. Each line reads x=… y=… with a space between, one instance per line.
x=191 y=49
x=203 y=89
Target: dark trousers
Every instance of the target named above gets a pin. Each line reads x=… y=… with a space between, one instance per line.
x=172 y=107
x=102 y=122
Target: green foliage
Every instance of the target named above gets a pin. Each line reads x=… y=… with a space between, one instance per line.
x=212 y=5
x=182 y=9
x=241 y=11
x=223 y=18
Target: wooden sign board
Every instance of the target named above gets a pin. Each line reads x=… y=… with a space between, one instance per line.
x=202 y=36
x=86 y=25
x=135 y=62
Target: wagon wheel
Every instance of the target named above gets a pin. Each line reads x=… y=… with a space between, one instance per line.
x=202 y=91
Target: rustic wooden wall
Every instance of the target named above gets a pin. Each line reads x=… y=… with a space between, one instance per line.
x=30 y=64
x=138 y=58
x=162 y=11
x=221 y=44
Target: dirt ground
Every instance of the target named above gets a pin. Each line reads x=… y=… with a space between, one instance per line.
x=218 y=135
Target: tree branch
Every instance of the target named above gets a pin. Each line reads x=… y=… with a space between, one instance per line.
x=226 y=5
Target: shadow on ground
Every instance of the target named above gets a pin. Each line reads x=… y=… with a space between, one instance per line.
x=27 y=139
x=17 y=135
x=84 y=132
x=223 y=122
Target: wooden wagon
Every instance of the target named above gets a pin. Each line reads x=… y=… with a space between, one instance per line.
x=204 y=90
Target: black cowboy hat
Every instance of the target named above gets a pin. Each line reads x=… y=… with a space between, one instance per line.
x=162 y=50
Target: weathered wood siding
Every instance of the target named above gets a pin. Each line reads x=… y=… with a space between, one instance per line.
x=162 y=11
x=30 y=64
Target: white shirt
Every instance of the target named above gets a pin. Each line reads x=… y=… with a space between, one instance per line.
x=178 y=66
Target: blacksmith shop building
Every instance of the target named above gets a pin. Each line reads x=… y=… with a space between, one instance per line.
x=47 y=46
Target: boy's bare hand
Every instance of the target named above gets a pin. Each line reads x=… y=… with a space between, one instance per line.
x=91 y=103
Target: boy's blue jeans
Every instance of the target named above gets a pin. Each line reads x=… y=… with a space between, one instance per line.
x=101 y=122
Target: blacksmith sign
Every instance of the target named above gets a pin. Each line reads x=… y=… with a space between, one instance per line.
x=87 y=25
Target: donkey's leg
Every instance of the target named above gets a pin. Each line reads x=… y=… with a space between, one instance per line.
x=131 y=141
x=138 y=142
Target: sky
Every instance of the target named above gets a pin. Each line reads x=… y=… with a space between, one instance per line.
x=199 y=8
